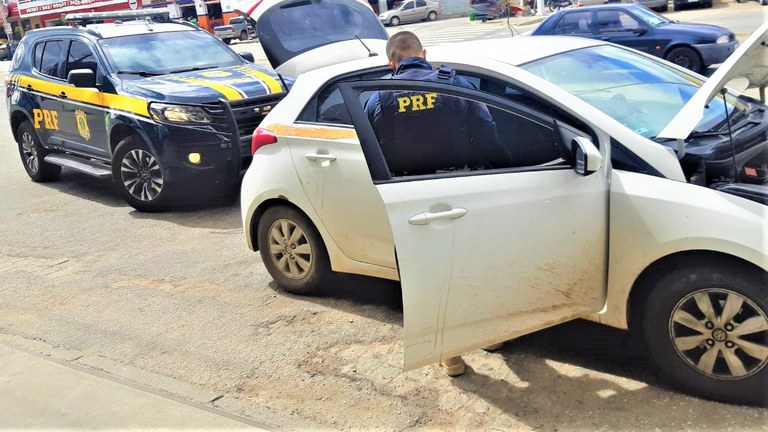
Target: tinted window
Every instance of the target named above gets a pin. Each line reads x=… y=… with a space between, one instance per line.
x=166 y=52
x=80 y=57
x=612 y=21
x=236 y=21
x=38 y=55
x=328 y=106
x=296 y=27
x=574 y=23
x=408 y=5
x=421 y=3
x=51 y=58
x=431 y=133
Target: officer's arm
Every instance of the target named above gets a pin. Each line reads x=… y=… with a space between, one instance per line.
x=373 y=110
x=485 y=140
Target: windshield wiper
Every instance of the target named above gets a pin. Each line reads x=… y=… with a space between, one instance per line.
x=139 y=73
x=196 y=68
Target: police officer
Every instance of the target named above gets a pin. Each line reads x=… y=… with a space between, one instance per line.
x=418 y=131
x=421 y=132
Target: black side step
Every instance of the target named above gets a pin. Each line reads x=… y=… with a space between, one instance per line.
x=83 y=165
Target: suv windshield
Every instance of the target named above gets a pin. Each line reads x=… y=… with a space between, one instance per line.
x=160 y=53
x=641 y=93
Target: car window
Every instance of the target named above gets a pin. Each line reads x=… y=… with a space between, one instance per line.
x=434 y=133
x=408 y=5
x=236 y=21
x=80 y=57
x=51 y=60
x=38 y=55
x=612 y=21
x=574 y=23
x=328 y=107
x=421 y=3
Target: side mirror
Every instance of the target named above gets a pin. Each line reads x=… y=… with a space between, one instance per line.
x=588 y=158
x=640 y=31
x=82 y=78
x=247 y=56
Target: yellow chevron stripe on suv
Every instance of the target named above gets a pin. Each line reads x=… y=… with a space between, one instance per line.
x=105 y=100
x=272 y=84
x=229 y=92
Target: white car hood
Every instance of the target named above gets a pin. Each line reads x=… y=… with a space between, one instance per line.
x=749 y=61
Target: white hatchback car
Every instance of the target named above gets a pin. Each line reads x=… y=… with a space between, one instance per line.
x=591 y=219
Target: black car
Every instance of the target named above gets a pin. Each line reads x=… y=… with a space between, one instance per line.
x=164 y=109
x=693 y=46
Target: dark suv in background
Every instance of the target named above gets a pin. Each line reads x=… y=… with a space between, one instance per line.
x=164 y=109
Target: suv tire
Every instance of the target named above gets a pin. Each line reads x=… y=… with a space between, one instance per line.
x=138 y=176
x=724 y=308
x=293 y=251
x=33 y=155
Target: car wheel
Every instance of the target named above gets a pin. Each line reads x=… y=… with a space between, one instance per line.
x=685 y=57
x=394 y=21
x=708 y=4
x=706 y=328
x=243 y=35
x=227 y=41
x=664 y=8
x=33 y=153
x=431 y=16
x=138 y=175
x=292 y=251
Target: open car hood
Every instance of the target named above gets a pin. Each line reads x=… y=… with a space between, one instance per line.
x=302 y=35
x=749 y=61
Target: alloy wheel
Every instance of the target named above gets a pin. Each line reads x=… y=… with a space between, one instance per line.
x=141 y=175
x=720 y=333
x=290 y=249
x=29 y=151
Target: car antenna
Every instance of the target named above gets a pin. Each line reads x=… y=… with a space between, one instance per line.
x=370 y=53
x=730 y=137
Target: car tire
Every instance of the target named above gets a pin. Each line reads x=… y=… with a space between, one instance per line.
x=33 y=155
x=685 y=57
x=139 y=177
x=431 y=16
x=293 y=251
x=227 y=41
x=709 y=355
x=394 y=21
x=664 y=8
x=708 y=4
x=243 y=35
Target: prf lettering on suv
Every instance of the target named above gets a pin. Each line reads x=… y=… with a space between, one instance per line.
x=163 y=108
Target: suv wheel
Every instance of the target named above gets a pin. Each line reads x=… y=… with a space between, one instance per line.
x=394 y=21
x=243 y=35
x=33 y=153
x=292 y=251
x=706 y=328
x=685 y=57
x=138 y=175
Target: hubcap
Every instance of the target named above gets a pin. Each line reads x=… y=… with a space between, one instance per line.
x=29 y=152
x=141 y=175
x=290 y=249
x=720 y=333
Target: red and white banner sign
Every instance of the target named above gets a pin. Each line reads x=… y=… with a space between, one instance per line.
x=45 y=7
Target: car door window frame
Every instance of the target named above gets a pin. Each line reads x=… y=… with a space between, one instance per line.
x=99 y=70
x=370 y=144
x=60 y=62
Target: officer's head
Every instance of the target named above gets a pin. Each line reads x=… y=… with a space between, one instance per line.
x=402 y=45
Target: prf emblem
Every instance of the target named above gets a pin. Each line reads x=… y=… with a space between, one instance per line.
x=82 y=125
x=416 y=102
x=46 y=118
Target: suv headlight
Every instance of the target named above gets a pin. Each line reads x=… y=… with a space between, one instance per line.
x=723 y=39
x=178 y=113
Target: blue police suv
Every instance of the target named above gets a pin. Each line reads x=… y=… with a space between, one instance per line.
x=692 y=46
x=163 y=108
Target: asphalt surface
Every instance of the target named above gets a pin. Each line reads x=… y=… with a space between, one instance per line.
x=175 y=302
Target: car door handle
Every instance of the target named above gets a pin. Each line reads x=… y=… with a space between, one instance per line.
x=426 y=218
x=62 y=95
x=320 y=157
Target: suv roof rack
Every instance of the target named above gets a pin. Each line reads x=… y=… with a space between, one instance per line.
x=83 y=19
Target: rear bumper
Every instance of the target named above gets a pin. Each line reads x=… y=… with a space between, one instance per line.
x=714 y=53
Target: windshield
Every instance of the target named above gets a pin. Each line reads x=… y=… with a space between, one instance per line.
x=161 y=53
x=641 y=93
x=650 y=17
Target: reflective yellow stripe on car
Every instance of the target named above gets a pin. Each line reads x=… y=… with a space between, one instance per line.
x=105 y=100
x=229 y=92
x=269 y=82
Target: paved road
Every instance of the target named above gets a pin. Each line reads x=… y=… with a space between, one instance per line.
x=174 y=301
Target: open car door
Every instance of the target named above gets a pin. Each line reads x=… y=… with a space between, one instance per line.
x=487 y=251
